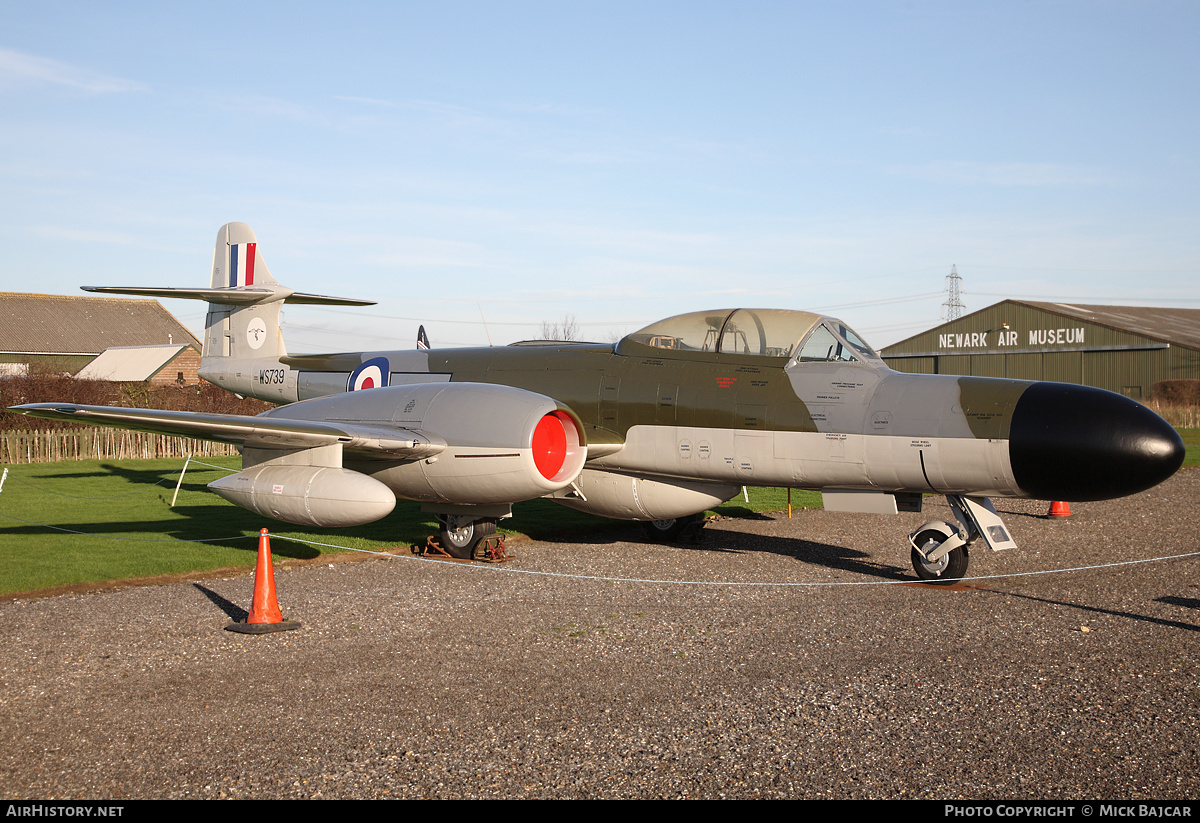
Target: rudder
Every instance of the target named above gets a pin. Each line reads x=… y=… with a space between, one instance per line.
x=240 y=329
x=236 y=260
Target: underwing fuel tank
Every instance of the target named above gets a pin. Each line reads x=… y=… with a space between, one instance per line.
x=308 y=495
x=629 y=497
x=1078 y=443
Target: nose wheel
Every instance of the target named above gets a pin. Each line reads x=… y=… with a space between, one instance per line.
x=939 y=549
x=934 y=566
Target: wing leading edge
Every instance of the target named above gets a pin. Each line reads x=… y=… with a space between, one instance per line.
x=256 y=432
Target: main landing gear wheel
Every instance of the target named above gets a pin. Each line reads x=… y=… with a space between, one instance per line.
x=459 y=534
x=950 y=568
x=667 y=531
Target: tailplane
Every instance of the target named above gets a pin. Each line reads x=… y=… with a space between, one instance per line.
x=244 y=300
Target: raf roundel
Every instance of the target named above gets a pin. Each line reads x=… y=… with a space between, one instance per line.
x=372 y=374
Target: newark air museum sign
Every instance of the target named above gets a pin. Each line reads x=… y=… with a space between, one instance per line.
x=1006 y=338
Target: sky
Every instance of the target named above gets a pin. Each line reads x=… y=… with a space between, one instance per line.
x=486 y=168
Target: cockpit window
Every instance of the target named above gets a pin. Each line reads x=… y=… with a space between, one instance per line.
x=687 y=332
x=764 y=332
x=857 y=342
x=825 y=346
x=760 y=332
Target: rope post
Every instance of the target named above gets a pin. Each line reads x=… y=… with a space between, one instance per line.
x=180 y=483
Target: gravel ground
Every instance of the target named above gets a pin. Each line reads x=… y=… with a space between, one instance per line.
x=570 y=673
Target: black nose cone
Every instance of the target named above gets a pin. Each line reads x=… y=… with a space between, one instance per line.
x=1072 y=442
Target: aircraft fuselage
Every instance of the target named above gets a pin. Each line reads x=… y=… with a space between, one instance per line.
x=668 y=422
x=752 y=420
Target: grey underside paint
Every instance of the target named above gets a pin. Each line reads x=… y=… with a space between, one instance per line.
x=875 y=428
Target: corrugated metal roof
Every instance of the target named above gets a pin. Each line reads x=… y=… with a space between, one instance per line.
x=58 y=324
x=1178 y=326
x=129 y=364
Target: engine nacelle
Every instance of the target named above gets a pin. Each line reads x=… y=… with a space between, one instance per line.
x=308 y=495
x=503 y=444
x=541 y=456
x=627 y=497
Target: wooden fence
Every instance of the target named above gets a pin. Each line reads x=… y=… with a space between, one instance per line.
x=119 y=444
x=101 y=444
x=1184 y=417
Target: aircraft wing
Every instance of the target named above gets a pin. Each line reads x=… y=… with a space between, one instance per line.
x=273 y=432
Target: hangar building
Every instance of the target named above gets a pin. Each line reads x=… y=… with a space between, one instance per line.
x=1125 y=349
x=100 y=338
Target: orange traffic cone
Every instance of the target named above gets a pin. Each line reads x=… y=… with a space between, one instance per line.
x=264 y=609
x=1059 y=508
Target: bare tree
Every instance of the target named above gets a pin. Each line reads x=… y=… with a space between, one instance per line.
x=566 y=330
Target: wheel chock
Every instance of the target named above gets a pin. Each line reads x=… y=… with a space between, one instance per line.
x=492 y=550
x=488 y=550
x=265 y=616
x=433 y=549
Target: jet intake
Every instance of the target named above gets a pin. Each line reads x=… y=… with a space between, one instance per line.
x=550 y=444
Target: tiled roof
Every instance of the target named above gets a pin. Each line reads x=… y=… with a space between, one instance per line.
x=57 y=324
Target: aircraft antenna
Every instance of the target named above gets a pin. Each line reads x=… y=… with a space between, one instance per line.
x=952 y=309
x=485 y=328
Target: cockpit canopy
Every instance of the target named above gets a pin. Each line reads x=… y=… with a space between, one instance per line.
x=756 y=332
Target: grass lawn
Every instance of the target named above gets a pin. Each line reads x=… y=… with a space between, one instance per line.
x=90 y=521
x=1191 y=439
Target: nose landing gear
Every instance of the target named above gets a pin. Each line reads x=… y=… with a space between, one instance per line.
x=939 y=549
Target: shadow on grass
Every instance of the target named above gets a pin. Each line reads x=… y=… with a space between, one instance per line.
x=202 y=516
x=742 y=513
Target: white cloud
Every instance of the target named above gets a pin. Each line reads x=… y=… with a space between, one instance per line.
x=85 y=235
x=150 y=239
x=18 y=70
x=263 y=106
x=1007 y=174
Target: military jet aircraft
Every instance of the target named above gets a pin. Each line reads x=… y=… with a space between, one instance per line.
x=668 y=422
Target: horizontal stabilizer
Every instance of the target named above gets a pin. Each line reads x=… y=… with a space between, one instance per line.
x=232 y=297
x=322 y=300
x=342 y=361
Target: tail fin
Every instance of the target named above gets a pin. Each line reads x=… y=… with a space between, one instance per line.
x=235 y=327
x=236 y=261
x=244 y=300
